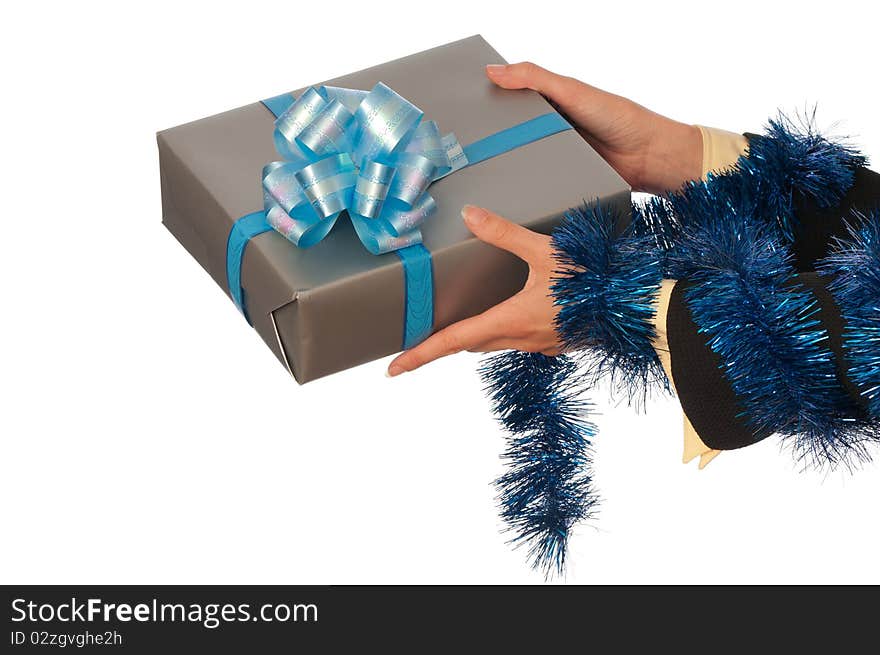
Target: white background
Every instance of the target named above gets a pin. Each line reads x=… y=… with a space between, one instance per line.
x=148 y=435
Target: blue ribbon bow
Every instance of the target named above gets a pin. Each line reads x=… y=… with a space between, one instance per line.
x=369 y=154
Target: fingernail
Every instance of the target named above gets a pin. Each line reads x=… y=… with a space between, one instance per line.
x=473 y=215
x=496 y=69
x=394 y=370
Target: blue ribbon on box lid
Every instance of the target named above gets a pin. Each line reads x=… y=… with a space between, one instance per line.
x=370 y=155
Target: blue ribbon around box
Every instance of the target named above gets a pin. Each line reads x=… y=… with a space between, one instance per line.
x=369 y=155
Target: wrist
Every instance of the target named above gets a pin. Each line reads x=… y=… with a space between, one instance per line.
x=674 y=156
x=605 y=287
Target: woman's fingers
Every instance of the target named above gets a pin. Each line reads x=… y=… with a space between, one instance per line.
x=526 y=75
x=501 y=233
x=501 y=325
x=532 y=344
x=468 y=334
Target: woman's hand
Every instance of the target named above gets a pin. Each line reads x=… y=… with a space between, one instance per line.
x=651 y=152
x=522 y=322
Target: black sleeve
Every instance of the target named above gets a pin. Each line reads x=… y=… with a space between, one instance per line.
x=706 y=396
x=817 y=228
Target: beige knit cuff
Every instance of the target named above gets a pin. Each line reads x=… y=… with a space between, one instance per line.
x=721 y=149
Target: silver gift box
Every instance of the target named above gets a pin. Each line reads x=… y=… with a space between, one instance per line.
x=334 y=305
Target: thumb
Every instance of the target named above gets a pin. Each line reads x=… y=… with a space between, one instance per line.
x=497 y=231
x=526 y=75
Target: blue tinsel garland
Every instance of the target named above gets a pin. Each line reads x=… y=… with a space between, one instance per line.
x=730 y=236
x=606 y=287
x=547 y=487
x=785 y=164
x=764 y=326
x=854 y=265
x=792 y=159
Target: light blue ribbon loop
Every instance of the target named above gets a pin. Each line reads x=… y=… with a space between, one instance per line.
x=372 y=188
x=368 y=154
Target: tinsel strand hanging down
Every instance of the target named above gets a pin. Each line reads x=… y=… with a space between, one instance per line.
x=546 y=489
x=606 y=295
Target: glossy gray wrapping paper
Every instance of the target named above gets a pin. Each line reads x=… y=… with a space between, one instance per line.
x=334 y=306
